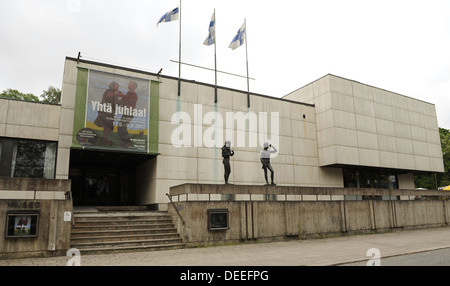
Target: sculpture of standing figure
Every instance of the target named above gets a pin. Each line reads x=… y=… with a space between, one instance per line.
x=265 y=160
x=226 y=154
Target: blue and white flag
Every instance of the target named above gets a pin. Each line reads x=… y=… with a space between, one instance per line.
x=238 y=40
x=172 y=15
x=212 y=32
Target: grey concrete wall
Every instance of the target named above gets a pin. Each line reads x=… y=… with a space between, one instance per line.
x=293 y=130
x=358 y=124
x=23 y=194
x=276 y=219
x=30 y=120
x=265 y=220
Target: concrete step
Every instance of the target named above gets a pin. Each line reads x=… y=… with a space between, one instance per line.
x=95 y=230
x=94 y=209
x=154 y=241
x=122 y=237
x=119 y=214
x=116 y=227
x=133 y=248
x=122 y=208
x=118 y=221
x=77 y=233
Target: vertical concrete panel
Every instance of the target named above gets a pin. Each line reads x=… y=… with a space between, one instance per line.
x=358 y=216
x=382 y=215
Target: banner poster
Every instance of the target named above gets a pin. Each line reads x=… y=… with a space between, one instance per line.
x=116 y=114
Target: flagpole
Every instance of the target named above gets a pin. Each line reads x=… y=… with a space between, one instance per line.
x=179 y=57
x=246 y=56
x=215 y=59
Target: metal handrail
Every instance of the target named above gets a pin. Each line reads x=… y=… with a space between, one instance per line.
x=176 y=209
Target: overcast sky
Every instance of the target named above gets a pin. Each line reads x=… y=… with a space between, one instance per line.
x=399 y=45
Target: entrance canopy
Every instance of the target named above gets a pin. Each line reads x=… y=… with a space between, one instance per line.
x=107 y=158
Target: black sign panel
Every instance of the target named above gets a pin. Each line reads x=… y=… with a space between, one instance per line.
x=218 y=219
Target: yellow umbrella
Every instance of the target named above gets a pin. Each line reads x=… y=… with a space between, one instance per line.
x=446 y=188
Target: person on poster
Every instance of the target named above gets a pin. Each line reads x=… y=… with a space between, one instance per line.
x=127 y=100
x=22 y=225
x=106 y=119
x=226 y=154
x=265 y=160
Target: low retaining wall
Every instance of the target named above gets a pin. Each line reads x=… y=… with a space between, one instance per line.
x=47 y=205
x=266 y=213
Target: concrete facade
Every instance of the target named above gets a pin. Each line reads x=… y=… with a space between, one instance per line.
x=29 y=120
x=362 y=125
x=269 y=213
x=51 y=200
x=197 y=162
x=318 y=130
x=48 y=197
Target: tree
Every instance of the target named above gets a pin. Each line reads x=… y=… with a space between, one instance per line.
x=15 y=94
x=433 y=181
x=444 y=178
x=51 y=95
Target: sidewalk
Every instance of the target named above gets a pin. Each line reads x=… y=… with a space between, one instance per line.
x=311 y=252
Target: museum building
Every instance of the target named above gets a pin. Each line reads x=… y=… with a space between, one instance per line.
x=124 y=136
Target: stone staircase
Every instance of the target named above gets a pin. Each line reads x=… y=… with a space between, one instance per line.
x=120 y=229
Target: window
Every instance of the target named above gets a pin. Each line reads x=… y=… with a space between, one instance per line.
x=368 y=178
x=27 y=158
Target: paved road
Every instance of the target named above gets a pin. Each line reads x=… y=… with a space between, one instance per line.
x=439 y=257
x=311 y=252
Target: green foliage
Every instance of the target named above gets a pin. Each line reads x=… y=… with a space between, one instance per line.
x=433 y=181
x=444 y=178
x=51 y=95
x=15 y=94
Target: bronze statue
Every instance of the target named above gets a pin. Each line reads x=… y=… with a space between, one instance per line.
x=265 y=160
x=226 y=154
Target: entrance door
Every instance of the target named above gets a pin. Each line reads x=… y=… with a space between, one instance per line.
x=103 y=178
x=102 y=186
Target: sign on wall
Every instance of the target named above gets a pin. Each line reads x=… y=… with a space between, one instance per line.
x=218 y=219
x=21 y=224
x=113 y=112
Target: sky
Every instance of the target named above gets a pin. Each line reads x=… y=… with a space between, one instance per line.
x=401 y=46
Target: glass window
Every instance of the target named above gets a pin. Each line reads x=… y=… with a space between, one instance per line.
x=351 y=179
x=28 y=158
x=368 y=178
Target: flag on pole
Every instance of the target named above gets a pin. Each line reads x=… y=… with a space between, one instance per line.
x=238 y=40
x=211 y=39
x=172 y=15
